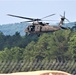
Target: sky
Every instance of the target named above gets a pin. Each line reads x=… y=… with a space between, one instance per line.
x=36 y=9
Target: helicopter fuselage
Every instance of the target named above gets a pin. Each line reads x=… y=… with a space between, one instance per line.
x=41 y=28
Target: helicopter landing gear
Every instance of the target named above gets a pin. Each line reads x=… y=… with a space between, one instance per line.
x=27 y=33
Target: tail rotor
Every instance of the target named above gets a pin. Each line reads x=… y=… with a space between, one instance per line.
x=63 y=17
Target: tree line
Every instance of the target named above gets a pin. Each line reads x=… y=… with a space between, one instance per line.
x=59 y=45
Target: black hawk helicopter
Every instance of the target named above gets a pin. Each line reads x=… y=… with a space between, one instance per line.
x=38 y=27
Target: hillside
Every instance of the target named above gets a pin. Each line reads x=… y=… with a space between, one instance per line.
x=71 y=24
x=10 y=29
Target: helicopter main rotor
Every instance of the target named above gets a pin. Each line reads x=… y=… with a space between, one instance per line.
x=31 y=19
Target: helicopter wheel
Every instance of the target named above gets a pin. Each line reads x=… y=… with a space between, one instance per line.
x=27 y=33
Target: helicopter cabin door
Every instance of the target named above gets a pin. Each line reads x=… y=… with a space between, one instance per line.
x=37 y=28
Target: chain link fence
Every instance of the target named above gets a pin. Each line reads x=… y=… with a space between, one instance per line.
x=22 y=66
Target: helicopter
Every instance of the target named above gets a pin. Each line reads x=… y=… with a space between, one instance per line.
x=38 y=27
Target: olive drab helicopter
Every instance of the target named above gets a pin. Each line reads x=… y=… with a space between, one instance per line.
x=38 y=27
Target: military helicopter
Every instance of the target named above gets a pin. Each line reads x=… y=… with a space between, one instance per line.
x=38 y=27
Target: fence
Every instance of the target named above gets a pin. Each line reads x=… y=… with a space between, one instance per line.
x=20 y=66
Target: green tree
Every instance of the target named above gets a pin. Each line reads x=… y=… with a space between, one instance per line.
x=2 y=40
x=30 y=52
x=15 y=53
x=60 y=45
x=6 y=55
x=53 y=45
x=72 y=45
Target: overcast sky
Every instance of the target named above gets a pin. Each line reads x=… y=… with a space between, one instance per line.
x=36 y=9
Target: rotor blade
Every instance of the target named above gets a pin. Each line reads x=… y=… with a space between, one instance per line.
x=28 y=21
x=62 y=16
x=48 y=16
x=49 y=20
x=64 y=13
x=67 y=19
x=25 y=21
x=20 y=17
